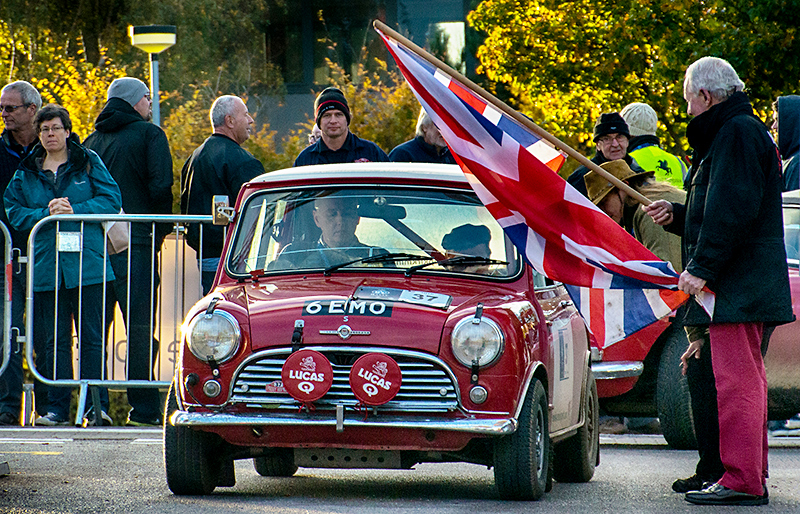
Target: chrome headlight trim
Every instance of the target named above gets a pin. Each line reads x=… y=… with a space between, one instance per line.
x=222 y=346
x=483 y=340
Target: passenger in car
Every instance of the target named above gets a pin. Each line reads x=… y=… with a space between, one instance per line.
x=468 y=240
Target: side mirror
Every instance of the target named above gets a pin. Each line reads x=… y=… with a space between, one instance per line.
x=223 y=213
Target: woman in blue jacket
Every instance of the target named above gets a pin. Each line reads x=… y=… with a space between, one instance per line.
x=60 y=176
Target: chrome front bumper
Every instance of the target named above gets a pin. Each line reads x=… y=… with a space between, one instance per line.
x=619 y=369
x=490 y=427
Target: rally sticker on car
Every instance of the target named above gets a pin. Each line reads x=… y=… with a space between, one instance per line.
x=307 y=375
x=349 y=307
x=427 y=298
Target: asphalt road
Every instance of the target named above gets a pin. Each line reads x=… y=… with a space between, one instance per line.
x=120 y=470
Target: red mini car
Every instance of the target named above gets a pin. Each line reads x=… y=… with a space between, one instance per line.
x=375 y=316
x=640 y=376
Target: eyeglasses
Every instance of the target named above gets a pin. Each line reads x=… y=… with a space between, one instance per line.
x=53 y=129
x=11 y=108
x=611 y=137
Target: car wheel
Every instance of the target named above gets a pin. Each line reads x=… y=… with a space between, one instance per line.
x=672 y=395
x=522 y=459
x=280 y=463
x=189 y=461
x=576 y=457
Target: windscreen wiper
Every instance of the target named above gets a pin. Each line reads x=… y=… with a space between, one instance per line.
x=453 y=261
x=384 y=257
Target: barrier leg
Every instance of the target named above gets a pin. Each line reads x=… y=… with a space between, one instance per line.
x=27 y=405
x=81 y=403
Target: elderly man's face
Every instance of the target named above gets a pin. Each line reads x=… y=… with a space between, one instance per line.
x=613 y=146
x=337 y=218
x=242 y=122
x=432 y=136
x=16 y=115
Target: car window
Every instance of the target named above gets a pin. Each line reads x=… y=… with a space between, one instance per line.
x=320 y=228
x=791 y=233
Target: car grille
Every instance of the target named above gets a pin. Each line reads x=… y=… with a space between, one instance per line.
x=427 y=386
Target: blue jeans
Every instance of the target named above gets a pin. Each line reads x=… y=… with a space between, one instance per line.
x=58 y=344
x=142 y=345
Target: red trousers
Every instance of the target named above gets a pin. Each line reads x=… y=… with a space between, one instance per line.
x=742 y=402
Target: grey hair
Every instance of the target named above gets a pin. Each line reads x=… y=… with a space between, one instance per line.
x=222 y=106
x=713 y=74
x=423 y=121
x=28 y=93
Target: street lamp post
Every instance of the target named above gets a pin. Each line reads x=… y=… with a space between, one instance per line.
x=153 y=39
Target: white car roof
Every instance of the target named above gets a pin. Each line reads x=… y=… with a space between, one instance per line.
x=386 y=170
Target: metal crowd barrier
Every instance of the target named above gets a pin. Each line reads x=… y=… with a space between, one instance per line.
x=181 y=281
x=6 y=305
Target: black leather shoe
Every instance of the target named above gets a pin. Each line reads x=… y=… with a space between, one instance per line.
x=693 y=483
x=716 y=494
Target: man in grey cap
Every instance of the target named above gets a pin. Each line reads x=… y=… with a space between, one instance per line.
x=137 y=154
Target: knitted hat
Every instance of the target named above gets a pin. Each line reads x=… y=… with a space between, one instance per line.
x=331 y=98
x=598 y=187
x=129 y=89
x=641 y=119
x=610 y=123
x=465 y=237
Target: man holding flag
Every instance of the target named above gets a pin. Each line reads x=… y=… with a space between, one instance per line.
x=732 y=230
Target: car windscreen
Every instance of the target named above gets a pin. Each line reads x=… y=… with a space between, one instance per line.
x=394 y=230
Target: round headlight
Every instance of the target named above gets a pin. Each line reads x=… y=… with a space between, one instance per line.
x=476 y=341
x=213 y=336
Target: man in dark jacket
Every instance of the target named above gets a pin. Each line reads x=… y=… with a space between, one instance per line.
x=137 y=155
x=611 y=135
x=19 y=102
x=338 y=144
x=732 y=231
x=220 y=166
x=427 y=146
x=786 y=127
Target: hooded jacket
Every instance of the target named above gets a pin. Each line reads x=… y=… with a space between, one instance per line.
x=137 y=155
x=789 y=139
x=86 y=182
x=732 y=222
x=11 y=153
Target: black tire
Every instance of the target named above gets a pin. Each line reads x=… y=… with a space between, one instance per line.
x=575 y=458
x=189 y=456
x=279 y=463
x=522 y=459
x=672 y=394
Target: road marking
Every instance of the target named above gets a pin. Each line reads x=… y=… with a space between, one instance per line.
x=147 y=441
x=33 y=453
x=12 y=440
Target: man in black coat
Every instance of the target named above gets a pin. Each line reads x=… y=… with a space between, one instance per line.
x=137 y=155
x=19 y=102
x=427 y=146
x=220 y=166
x=337 y=144
x=732 y=229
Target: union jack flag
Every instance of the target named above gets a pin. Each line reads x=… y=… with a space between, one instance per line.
x=621 y=286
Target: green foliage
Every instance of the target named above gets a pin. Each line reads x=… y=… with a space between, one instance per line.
x=564 y=63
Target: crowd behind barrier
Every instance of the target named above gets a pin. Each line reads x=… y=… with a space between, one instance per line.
x=179 y=289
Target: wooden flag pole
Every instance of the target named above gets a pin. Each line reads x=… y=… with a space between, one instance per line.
x=533 y=127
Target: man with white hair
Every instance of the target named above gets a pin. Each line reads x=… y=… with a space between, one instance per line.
x=220 y=166
x=732 y=231
x=427 y=146
x=19 y=102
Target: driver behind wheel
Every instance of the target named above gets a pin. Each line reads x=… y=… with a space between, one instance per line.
x=337 y=218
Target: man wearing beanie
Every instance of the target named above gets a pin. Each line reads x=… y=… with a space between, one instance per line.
x=645 y=147
x=611 y=136
x=337 y=144
x=137 y=155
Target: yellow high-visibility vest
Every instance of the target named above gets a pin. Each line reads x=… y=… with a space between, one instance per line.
x=667 y=167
